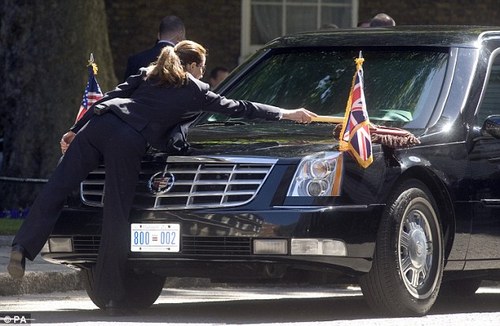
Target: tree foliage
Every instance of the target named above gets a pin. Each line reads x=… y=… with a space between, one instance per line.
x=45 y=49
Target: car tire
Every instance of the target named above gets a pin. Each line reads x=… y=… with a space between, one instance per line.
x=408 y=262
x=142 y=290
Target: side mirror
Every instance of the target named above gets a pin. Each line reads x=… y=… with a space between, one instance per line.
x=491 y=126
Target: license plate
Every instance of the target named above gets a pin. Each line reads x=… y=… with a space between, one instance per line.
x=153 y=237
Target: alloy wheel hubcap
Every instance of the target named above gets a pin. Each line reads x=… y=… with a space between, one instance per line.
x=415 y=248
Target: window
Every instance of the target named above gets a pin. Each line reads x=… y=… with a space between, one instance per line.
x=490 y=103
x=401 y=86
x=264 y=20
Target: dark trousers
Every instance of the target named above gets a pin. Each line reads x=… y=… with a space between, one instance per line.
x=104 y=137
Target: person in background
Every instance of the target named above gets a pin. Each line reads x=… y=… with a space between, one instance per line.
x=217 y=75
x=170 y=32
x=382 y=20
x=363 y=24
x=118 y=129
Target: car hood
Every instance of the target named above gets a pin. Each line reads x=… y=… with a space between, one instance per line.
x=283 y=140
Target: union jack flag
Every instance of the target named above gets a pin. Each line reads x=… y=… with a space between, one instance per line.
x=92 y=91
x=355 y=135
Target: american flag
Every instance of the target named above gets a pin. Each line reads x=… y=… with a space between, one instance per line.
x=92 y=91
x=355 y=135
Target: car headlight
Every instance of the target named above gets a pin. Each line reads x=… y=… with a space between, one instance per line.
x=319 y=174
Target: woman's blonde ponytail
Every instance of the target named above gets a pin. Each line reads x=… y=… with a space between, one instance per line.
x=167 y=70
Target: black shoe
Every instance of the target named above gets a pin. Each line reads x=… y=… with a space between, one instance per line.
x=17 y=262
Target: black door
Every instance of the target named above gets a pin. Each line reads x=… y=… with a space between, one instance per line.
x=485 y=173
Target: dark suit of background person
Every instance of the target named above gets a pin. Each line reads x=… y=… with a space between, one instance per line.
x=170 y=32
x=136 y=113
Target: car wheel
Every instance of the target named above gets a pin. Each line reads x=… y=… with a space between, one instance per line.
x=460 y=288
x=142 y=290
x=408 y=263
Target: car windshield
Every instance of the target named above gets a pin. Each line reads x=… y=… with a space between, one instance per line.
x=401 y=86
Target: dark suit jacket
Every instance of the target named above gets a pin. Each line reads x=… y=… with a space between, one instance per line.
x=154 y=110
x=144 y=58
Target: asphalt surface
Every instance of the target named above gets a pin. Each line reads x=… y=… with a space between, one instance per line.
x=40 y=276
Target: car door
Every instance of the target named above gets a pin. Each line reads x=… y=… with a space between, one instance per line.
x=485 y=176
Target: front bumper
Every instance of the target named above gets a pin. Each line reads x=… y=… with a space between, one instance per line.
x=214 y=241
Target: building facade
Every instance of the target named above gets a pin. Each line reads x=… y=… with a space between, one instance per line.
x=231 y=30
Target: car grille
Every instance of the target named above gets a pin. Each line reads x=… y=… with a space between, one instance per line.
x=190 y=245
x=199 y=182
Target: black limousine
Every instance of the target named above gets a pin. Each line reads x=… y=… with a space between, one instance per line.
x=277 y=202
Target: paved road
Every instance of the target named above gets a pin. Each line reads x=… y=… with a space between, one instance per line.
x=41 y=276
x=254 y=305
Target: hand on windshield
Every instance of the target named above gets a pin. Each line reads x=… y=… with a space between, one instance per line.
x=298 y=115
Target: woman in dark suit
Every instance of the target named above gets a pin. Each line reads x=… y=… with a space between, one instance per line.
x=118 y=128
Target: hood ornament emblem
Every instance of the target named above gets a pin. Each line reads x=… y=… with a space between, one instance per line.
x=161 y=183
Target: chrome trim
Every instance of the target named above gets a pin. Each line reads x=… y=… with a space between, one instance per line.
x=221 y=159
x=200 y=182
x=320 y=209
